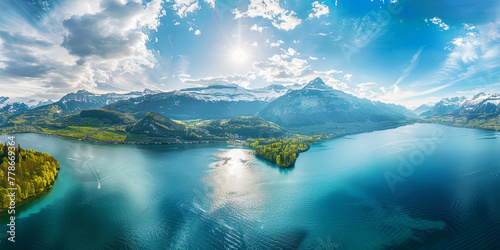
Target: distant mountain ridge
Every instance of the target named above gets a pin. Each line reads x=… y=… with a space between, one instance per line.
x=481 y=111
x=185 y=105
x=3 y=99
x=83 y=99
x=318 y=103
x=291 y=105
x=422 y=108
x=235 y=92
x=445 y=106
x=480 y=103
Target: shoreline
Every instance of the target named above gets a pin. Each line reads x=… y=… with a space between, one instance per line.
x=109 y=142
x=33 y=198
x=456 y=126
x=229 y=142
x=89 y=139
x=335 y=136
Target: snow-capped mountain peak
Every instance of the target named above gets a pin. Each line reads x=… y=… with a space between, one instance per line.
x=235 y=92
x=317 y=84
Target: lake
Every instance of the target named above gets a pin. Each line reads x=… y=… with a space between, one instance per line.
x=417 y=186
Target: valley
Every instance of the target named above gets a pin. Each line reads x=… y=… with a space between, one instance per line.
x=313 y=112
x=209 y=115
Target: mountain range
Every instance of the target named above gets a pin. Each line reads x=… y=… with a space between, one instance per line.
x=318 y=103
x=211 y=102
x=479 y=104
x=481 y=111
x=314 y=103
x=445 y=106
x=211 y=112
x=234 y=92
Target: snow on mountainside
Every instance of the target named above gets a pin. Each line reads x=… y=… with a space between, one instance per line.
x=234 y=92
x=318 y=103
x=78 y=101
x=105 y=99
x=318 y=84
x=445 y=106
x=32 y=104
x=82 y=100
x=3 y=99
x=479 y=98
x=479 y=104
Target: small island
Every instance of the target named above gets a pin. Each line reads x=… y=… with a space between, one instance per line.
x=283 y=152
x=35 y=174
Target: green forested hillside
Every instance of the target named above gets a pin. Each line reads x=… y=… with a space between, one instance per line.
x=245 y=126
x=158 y=125
x=35 y=173
x=96 y=118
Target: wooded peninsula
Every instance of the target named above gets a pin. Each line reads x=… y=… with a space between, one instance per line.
x=35 y=174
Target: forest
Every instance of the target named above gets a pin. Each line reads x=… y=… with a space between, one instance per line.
x=35 y=173
x=245 y=126
x=282 y=152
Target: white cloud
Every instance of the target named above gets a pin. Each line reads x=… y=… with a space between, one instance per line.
x=239 y=79
x=468 y=26
x=356 y=34
x=466 y=50
x=279 y=68
x=413 y=64
x=290 y=52
x=275 y=44
x=287 y=69
x=318 y=10
x=211 y=2
x=177 y=23
x=197 y=32
x=313 y=58
x=471 y=57
x=364 y=90
x=437 y=21
x=271 y=10
x=255 y=44
x=184 y=7
x=255 y=27
x=100 y=44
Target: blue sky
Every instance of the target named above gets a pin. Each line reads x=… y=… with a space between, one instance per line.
x=405 y=52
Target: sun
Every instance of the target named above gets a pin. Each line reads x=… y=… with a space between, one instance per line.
x=239 y=56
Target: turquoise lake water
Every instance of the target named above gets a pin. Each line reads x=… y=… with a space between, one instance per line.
x=419 y=186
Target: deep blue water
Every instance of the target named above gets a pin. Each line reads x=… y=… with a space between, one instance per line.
x=420 y=186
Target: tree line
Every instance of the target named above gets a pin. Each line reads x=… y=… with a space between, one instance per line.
x=35 y=173
x=283 y=152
